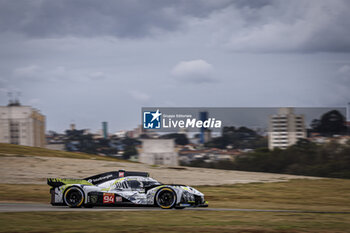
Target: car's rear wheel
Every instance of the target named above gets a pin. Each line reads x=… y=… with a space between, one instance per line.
x=74 y=197
x=166 y=198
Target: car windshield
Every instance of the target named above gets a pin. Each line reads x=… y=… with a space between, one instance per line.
x=150 y=183
x=134 y=184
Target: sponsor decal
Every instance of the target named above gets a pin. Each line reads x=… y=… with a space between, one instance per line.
x=118 y=199
x=121 y=174
x=108 y=198
x=152 y=120
x=101 y=178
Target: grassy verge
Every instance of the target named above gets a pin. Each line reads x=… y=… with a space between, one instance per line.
x=24 y=193
x=10 y=149
x=317 y=195
x=324 y=195
x=172 y=221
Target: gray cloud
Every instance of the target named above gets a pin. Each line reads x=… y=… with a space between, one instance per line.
x=122 y=18
x=194 y=71
x=343 y=78
x=92 y=61
x=139 y=96
x=279 y=26
x=243 y=26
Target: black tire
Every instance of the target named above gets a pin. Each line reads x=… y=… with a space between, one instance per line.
x=74 y=197
x=166 y=198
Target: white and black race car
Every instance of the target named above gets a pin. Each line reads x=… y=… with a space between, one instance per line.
x=123 y=188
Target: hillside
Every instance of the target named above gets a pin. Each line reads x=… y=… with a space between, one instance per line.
x=11 y=149
x=26 y=165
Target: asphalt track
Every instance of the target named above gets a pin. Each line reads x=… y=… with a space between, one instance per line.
x=36 y=207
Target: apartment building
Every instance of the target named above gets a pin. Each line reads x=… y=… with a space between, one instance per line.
x=22 y=125
x=285 y=128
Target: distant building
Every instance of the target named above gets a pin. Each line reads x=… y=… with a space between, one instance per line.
x=285 y=129
x=72 y=126
x=121 y=134
x=22 y=125
x=207 y=135
x=348 y=118
x=203 y=137
x=159 y=152
x=188 y=154
x=105 y=129
x=135 y=133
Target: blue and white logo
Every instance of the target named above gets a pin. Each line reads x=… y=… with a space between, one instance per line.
x=152 y=120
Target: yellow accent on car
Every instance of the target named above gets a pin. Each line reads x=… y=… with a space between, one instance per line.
x=82 y=200
x=166 y=207
x=119 y=180
x=70 y=181
x=65 y=197
x=156 y=188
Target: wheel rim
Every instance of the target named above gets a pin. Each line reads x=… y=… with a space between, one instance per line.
x=166 y=199
x=74 y=197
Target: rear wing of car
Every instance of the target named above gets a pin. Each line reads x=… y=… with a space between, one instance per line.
x=56 y=182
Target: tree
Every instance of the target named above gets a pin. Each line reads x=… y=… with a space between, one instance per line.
x=331 y=123
x=303 y=158
x=240 y=138
x=180 y=139
x=129 y=151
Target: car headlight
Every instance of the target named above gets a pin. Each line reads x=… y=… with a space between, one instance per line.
x=188 y=196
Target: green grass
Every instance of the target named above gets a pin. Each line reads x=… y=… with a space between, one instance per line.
x=319 y=195
x=17 y=150
x=24 y=193
x=303 y=194
x=172 y=221
x=313 y=195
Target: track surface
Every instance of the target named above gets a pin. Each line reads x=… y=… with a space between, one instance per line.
x=36 y=207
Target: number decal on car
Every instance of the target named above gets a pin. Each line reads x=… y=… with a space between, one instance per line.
x=108 y=198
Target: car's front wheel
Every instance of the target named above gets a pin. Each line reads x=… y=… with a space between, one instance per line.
x=166 y=198
x=74 y=197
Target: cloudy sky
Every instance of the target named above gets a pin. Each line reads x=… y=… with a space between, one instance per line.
x=87 y=61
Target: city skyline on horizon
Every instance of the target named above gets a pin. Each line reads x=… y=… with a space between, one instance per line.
x=244 y=121
x=85 y=62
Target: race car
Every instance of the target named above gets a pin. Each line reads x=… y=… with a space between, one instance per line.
x=123 y=188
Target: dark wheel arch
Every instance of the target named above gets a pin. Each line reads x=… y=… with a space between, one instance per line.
x=74 y=197
x=165 y=198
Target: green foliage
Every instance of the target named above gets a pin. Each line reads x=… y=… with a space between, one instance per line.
x=331 y=123
x=11 y=149
x=304 y=158
x=129 y=151
x=239 y=138
x=78 y=141
x=180 y=139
